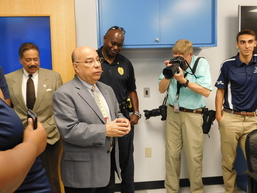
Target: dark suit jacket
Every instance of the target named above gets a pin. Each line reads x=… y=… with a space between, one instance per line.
x=48 y=82
x=86 y=153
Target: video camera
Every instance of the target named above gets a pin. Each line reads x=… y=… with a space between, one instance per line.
x=176 y=62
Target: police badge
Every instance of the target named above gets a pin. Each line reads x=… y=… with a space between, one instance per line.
x=120 y=70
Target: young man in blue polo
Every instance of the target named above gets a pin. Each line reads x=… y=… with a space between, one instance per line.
x=236 y=103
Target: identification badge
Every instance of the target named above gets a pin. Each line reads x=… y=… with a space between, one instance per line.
x=176 y=107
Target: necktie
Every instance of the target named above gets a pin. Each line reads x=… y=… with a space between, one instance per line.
x=100 y=104
x=31 y=98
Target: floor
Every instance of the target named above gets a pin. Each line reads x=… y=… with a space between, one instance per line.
x=207 y=189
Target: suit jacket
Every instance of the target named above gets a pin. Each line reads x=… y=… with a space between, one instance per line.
x=48 y=82
x=86 y=157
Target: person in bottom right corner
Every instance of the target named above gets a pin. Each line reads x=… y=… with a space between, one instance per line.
x=236 y=103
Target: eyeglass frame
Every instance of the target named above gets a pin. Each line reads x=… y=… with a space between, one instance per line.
x=115 y=27
x=92 y=63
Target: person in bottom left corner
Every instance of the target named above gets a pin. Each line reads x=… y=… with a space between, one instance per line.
x=21 y=169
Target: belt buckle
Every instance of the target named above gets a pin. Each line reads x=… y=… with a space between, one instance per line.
x=243 y=113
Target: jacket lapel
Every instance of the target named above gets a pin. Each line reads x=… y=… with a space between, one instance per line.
x=87 y=97
x=17 y=89
x=41 y=90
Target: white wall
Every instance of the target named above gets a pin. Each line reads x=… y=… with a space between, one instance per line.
x=148 y=64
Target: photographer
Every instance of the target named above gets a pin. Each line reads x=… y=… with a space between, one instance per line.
x=186 y=98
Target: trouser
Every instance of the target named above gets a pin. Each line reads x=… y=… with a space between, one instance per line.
x=233 y=131
x=126 y=150
x=184 y=130
x=50 y=161
x=107 y=189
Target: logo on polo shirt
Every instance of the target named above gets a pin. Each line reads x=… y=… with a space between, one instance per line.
x=255 y=70
x=120 y=70
x=219 y=82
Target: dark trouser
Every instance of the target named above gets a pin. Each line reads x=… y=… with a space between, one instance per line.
x=50 y=160
x=126 y=150
x=107 y=189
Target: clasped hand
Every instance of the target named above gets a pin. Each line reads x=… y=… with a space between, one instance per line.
x=118 y=128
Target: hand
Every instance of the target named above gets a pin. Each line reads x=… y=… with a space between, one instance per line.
x=133 y=119
x=118 y=128
x=218 y=117
x=37 y=137
x=167 y=63
x=180 y=76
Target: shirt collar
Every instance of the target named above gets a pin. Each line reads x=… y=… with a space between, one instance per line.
x=116 y=61
x=89 y=86
x=240 y=63
x=26 y=74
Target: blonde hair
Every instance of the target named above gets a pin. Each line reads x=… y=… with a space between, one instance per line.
x=182 y=47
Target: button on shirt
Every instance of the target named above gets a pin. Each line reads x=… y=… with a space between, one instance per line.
x=240 y=84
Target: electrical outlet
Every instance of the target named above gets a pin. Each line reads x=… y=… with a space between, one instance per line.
x=148 y=152
x=147 y=92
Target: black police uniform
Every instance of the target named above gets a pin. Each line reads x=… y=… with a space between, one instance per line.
x=121 y=77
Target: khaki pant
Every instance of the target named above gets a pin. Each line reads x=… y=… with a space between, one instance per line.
x=184 y=130
x=233 y=131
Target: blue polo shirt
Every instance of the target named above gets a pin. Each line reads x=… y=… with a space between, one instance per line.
x=187 y=98
x=240 y=84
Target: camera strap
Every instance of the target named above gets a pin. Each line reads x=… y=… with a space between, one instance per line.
x=165 y=99
x=193 y=71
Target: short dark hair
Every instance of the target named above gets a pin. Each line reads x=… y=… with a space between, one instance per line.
x=27 y=46
x=245 y=31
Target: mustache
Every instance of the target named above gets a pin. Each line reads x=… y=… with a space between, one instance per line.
x=32 y=66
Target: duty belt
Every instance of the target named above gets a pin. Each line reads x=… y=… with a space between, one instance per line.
x=124 y=105
x=243 y=113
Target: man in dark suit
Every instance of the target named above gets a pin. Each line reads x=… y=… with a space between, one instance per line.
x=88 y=129
x=45 y=83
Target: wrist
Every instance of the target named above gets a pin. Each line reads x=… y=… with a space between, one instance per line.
x=137 y=113
x=185 y=84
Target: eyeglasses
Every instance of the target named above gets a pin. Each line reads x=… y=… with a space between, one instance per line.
x=116 y=27
x=92 y=62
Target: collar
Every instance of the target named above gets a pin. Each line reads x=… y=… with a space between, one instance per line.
x=89 y=86
x=26 y=74
x=115 y=62
x=240 y=63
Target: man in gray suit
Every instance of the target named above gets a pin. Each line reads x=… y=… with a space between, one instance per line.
x=45 y=83
x=90 y=147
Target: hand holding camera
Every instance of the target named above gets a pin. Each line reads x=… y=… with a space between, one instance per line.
x=173 y=69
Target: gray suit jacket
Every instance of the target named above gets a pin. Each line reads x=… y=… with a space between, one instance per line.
x=48 y=82
x=85 y=161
